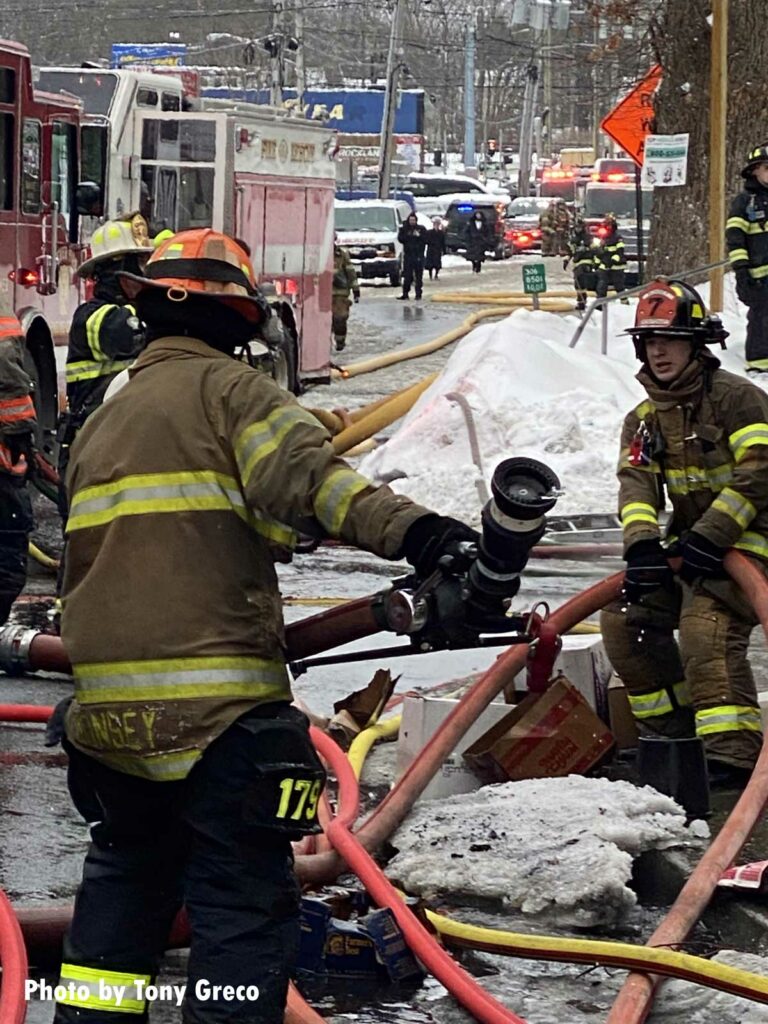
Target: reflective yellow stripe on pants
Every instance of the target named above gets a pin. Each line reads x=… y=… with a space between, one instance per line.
x=88 y=988
x=659 y=702
x=728 y=718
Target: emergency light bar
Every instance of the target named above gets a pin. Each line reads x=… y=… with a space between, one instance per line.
x=556 y=174
x=465 y=209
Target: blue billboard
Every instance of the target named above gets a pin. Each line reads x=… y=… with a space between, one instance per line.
x=164 y=54
x=352 y=111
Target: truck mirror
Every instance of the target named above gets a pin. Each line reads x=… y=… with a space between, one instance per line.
x=88 y=199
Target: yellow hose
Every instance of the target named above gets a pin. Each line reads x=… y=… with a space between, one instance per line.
x=383 y=416
x=42 y=558
x=361 y=744
x=379 y=362
x=549 y=305
x=363 y=448
x=503 y=296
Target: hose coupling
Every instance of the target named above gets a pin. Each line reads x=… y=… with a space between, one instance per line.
x=15 y=642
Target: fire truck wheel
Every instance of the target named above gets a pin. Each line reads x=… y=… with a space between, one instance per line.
x=284 y=363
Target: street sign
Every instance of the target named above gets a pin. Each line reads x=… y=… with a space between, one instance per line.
x=632 y=120
x=534 y=281
x=665 y=160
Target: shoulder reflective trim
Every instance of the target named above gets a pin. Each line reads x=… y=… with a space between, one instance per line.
x=14 y=410
x=737 y=222
x=638 y=512
x=735 y=505
x=759 y=272
x=644 y=409
x=262 y=438
x=86 y=987
x=88 y=370
x=336 y=493
x=93 y=329
x=728 y=718
x=740 y=440
x=143 y=494
x=753 y=542
x=181 y=679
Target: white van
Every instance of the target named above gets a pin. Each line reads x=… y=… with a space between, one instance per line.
x=367 y=229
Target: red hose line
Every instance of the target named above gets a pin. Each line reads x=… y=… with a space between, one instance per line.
x=13 y=957
x=636 y=996
x=324 y=867
x=423 y=944
x=24 y=713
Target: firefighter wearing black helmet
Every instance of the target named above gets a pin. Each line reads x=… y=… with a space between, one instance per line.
x=746 y=235
x=700 y=441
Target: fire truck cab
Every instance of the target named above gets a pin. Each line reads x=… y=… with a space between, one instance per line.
x=251 y=171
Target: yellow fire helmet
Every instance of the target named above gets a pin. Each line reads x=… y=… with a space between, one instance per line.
x=116 y=238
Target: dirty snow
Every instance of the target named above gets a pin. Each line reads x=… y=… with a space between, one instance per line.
x=558 y=848
x=681 y=1001
x=529 y=395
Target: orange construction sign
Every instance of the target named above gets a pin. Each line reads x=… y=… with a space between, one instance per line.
x=631 y=120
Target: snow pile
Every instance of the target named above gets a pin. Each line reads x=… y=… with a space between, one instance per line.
x=681 y=1001
x=529 y=395
x=558 y=848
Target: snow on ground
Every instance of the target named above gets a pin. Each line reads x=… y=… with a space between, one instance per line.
x=558 y=848
x=681 y=1001
x=529 y=395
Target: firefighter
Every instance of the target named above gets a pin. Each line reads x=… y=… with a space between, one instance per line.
x=17 y=426
x=106 y=335
x=581 y=250
x=609 y=259
x=344 y=282
x=183 y=745
x=747 y=240
x=701 y=435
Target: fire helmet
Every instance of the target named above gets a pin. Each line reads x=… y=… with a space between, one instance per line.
x=674 y=308
x=201 y=263
x=128 y=236
x=755 y=156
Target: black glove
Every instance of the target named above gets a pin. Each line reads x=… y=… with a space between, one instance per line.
x=647 y=570
x=701 y=558
x=20 y=444
x=747 y=287
x=356 y=296
x=431 y=537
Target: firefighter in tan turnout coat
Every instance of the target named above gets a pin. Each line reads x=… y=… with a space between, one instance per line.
x=702 y=437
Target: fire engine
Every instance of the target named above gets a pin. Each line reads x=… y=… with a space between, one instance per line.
x=254 y=172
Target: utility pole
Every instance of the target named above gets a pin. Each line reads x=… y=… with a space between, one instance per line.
x=546 y=149
x=394 y=64
x=276 y=56
x=301 y=77
x=469 y=97
x=526 y=129
x=718 y=105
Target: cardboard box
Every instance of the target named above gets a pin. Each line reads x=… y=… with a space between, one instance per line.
x=547 y=735
x=421 y=717
x=585 y=664
x=620 y=717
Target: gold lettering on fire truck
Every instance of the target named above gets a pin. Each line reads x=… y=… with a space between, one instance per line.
x=302 y=152
x=269 y=149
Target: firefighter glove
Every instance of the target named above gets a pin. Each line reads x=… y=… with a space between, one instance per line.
x=647 y=570
x=701 y=558
x=20 y=444
x=356 y=296
x=747 y=287
x=430 y=538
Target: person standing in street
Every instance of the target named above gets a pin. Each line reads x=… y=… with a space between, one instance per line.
x=184 y=751
x=433 y=262
x=746 y=236
x=701 y=436
x=17 y=425
x=581 y=252
x=413 y=238
x=478 y=240
x=610 y=262
x=344 y=282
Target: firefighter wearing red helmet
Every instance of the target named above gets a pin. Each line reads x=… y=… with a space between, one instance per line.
x=184 y=747
x=610 y=261
x=746 y=235
x=700 y=440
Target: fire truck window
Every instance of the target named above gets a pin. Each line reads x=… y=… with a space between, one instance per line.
x=7 y=85
x=30 y=167
x=170 y=101
x=6 y=161
x=159 y=189
x=93 y=154
x=63 y=165
x=146 y=98
x=198 y=141
x=196 y=198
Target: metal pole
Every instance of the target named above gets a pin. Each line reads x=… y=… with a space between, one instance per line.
x=276 y=60
x=301 y=77
x=526 y=127
x=639 y=223
x=604 y=338
x=390 y=103
x=469 y=97
x=546 y=149
x=718 y=105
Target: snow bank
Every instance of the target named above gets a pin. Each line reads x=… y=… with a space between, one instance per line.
x=558 y=848
x=529 y=395
x=681 y=1001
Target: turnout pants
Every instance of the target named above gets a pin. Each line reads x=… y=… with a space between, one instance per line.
x=413 y=272
x=609 y=279
x=702 y=686
x=339 y=317
x=15 y=526
x=756 y=348
x=581 y=274
x=204 y=842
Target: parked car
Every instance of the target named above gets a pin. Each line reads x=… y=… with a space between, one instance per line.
x=460 y=212
x=522 y=231
x=367 y=229
x=433 y=193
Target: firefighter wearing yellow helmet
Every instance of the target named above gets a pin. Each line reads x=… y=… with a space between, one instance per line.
x=698 y=441
x=183 y=743
x=106 y=335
